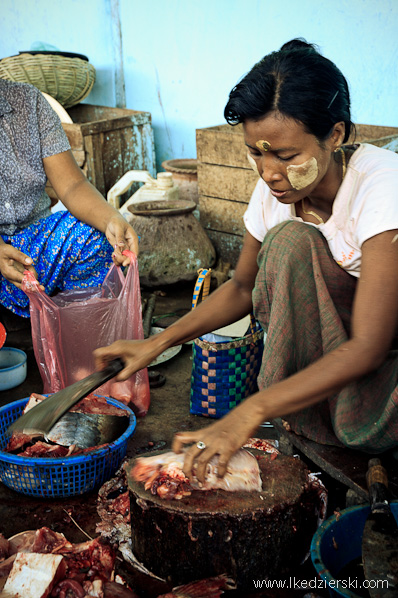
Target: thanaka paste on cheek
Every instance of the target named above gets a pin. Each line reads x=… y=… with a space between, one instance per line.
x=302 y=175
x=252 y=163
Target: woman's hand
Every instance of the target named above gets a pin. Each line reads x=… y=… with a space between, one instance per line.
x=135 y=355
x=13 y=263
x=223 y=438
x=121 y=236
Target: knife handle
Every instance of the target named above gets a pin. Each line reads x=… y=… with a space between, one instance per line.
x=114 y=367
x=377 y=482
x=376 y=473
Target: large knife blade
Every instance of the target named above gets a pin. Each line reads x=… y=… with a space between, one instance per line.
x=380 y=537
x=41 y=418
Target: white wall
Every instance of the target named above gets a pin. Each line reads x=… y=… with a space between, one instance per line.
x=182 y=57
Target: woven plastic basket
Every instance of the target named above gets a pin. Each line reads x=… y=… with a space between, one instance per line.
x=68 y=80
x=62 y=477
x=225 y=373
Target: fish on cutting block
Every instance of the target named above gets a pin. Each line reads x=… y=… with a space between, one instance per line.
x=163 y=475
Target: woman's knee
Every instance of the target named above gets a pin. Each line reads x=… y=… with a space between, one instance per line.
x=291 y=241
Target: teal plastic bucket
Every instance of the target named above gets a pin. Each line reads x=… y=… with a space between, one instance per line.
x=338 y=542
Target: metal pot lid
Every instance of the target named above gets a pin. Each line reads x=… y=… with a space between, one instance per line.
x=162 y=207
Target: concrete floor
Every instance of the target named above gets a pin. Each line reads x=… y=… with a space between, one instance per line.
x=169 y=413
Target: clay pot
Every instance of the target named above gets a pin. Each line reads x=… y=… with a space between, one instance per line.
x=173 y=244
x=185 y=175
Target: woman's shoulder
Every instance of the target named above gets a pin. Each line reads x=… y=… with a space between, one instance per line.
x=17 y=94
x=370 y=159
x=367 y=205
x=14 y=88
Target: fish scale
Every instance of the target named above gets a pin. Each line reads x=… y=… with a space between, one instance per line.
x=87 y=429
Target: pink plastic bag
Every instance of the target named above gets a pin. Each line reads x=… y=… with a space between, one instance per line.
x=68 y=327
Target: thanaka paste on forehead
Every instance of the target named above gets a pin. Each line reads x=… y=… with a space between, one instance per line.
x=263 y=145
x=302 y=175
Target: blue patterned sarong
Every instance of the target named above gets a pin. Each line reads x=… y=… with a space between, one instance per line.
x=66 y=254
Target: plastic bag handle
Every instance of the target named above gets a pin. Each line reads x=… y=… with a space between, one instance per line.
x=203 y=283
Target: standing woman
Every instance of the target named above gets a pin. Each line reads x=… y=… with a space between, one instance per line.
x=319 y=267
x=65 y=250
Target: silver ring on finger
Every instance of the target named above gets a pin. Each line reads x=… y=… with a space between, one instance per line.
x=200 y=445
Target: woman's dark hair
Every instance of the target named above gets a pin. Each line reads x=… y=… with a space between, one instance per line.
x=298 y=82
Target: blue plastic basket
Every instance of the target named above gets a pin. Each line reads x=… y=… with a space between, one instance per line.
x=61 y=477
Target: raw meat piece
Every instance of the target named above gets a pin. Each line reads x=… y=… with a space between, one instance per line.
x=94 y=588
x=4 y=548
x=18 y=439
x=212 y=587
x=163 y=475
x=96 y=404
x=34 y=575
x=48 y=451
x=69 y=587
x=116 y=590
x=95 y=556
x=5 y=568
x=47 y=541
x=262 y=445
x=87 y=566
x=42 y=540
x=90 y=404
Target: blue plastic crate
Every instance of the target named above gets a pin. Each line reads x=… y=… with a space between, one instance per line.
x=60 y=477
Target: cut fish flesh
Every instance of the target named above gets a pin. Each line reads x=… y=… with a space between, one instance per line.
x=92 y=422
x=163 y=475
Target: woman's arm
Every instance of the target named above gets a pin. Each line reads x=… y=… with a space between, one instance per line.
x=374 y=324
x=83 y=200
x=229 y=303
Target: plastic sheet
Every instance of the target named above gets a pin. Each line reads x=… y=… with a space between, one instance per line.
x=68 y=327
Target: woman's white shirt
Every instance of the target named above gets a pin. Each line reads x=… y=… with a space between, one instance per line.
x=365 y=205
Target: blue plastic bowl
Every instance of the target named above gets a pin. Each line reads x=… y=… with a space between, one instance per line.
x=12 y=367
x=62 y=477
x=338 y=542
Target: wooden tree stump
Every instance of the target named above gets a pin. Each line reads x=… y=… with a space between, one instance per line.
x=247 y=535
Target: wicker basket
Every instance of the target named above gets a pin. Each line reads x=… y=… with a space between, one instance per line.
x=68 y=80
x=223 y=373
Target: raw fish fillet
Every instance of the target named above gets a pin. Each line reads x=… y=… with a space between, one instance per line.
x=163 y=475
